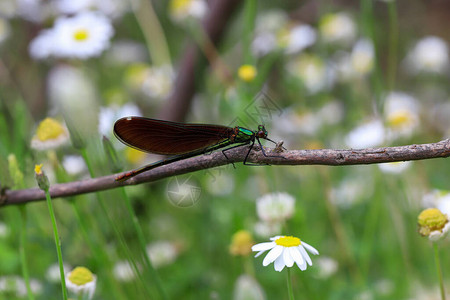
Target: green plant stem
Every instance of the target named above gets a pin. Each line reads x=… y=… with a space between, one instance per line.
x=57 y=243
x=115 y=228
x=289 y=284
x=439 y=270
x=23 y=255
x=142 y=244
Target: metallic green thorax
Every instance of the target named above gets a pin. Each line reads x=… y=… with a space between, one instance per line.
x=243 y=135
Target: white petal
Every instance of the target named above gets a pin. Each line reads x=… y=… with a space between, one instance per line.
x=275 y=237
x=288 y=260
x=263 y=246
x=310 y=248
x=295 y=254
x=279 y=263
x=260 y=252
x=272 y=255
x=302 y=266
x=305 y=255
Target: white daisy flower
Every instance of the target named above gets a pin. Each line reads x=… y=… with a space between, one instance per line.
x=285 y=251
x=50 y=134
x=401 y=112
x=82 y=36
x=363 y=56
x=275 y=207
x=429 y=55
x=433 y=224
x=81 y=282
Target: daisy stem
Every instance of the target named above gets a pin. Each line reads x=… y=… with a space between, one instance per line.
x=289 y=284
x=114 y=226
x=439 y=270
x=23 y=255
x=142 y=242
x=57 y=242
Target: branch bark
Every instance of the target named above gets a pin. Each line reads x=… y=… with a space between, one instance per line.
x=294 y=157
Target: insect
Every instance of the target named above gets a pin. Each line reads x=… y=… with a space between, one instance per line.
x=181 y=140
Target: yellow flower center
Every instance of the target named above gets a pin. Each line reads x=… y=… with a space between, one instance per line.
x=81 y=276
x=247 y=72
x=177 y=5
x=134 y=156
x=288 y=241
x=81 y=35
x=49 y=129
x=400 y=118
x=431 y=219
x=38 y=169
x=241 y=243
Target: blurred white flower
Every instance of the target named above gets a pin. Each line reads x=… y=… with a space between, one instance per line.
x=367 y=135
x=15 y=286
x=220 y=185
x=430 y=54
x=352 y=189
x=35 y=11
x=8 y=8
x=4 y=29
x=73 y=94
x=284 y=251
x=123 y=271
x=268 y=24
x=401 y=112
x=74 y=164
x=182 y=10
x=337 y=28
x=267 y=229
x=296 y=38
x=395 y=167
x=158 y=82
x=363 y=56
x=247 y=288
x=326 y=267
x=439 y=199
x=53 y=274
x=312 y=71
x=82 y=36
x=111 y=8
x=4 y=230
x=108 y=115
x=162 y=253
x=275 y=207
x=125 y=52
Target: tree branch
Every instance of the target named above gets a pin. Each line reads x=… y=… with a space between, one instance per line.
x=294 y=157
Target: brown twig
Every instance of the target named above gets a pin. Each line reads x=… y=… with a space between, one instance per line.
x=294 y=157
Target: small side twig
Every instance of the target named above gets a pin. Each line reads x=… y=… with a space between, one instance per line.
x=328 y=157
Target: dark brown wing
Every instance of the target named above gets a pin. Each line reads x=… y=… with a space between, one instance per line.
x=165 y=137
